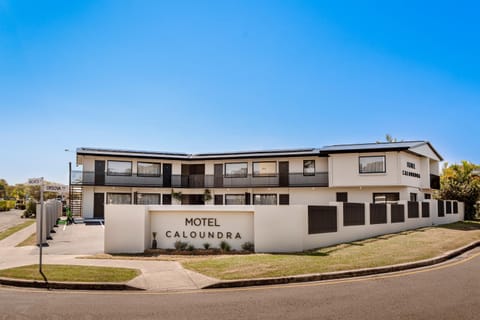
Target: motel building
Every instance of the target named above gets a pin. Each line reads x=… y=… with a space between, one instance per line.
x=279 y=200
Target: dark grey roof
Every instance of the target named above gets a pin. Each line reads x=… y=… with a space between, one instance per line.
x=379 y=146
x=325 y=151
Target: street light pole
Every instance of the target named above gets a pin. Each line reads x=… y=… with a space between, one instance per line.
x=41 y=228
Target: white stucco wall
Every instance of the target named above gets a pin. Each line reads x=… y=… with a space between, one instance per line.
x=125 y=228
x=198 y=225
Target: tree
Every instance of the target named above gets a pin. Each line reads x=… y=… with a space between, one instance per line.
x=458 y=182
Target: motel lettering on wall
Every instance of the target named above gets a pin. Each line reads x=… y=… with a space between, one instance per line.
x=201 y=234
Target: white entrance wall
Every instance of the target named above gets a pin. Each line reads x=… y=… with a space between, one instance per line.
x=197 y=226
x=128 y=228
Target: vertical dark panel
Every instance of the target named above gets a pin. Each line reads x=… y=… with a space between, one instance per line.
x=99 y=172
x=247 y=198
x=342 y=196
x=98 y=205
x=218 y=199
x=166 y=199
x=449 y=207
x=413 y=209
x=283 y=180
x=167 y=175
x=184 y=175
x=135 y=198
x=284 y=199
x=425 y=209
x=441 y=208
x=322 y=219
x=218 y=175
x=378 y=213
x=398 y=213
x=353 y=214
x=455 y=207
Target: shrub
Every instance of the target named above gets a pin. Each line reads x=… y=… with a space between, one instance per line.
x=248 y=246
x=31 y=210
x=225 y=246
x=190 y=247
x=3 y=205
x=206 y=245
x=180 y=245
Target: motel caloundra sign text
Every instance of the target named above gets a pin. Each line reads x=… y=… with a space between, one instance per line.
x=202 y=228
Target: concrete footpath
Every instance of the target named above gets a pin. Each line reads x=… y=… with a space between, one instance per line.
x=79 y=240
x=74 y=241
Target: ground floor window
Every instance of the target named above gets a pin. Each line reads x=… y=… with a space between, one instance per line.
x=234 y=199
x=428 y=196
x=148 y=198
x=268 y=199
x=119 y=198
x=413 y=196
x=342 y=196
x=384 y=197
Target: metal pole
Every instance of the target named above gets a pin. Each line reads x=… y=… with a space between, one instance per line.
x=70 y=185
x=41 y=227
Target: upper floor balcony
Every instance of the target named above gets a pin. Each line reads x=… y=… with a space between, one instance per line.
x=89 y=178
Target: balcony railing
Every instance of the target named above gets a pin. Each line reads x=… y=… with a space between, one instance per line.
x=88 y=178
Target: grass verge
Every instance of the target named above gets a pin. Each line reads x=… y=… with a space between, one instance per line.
x=18 y=227
x=384 y=250
x=71 y=273
x=30 y=241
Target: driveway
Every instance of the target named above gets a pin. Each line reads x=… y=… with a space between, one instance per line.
x=10 y=218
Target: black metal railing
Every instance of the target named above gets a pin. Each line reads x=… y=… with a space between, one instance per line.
x=88 y=178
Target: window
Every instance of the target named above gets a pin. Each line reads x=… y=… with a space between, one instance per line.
x=232 y=199
x=386 y=197
x=265 y=169
x=308 y=167
x=148 y=198
x=166 y=199
x=428 y=196
x=218 y=199
x=146 y=169
x=342 y=196
x=236 y=170
x=268 y=199
x=413 y=196
x=119 y=168
x=119 y=198
x=372 y=164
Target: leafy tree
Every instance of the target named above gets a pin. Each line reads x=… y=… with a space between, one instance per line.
x=459 y=182
x=3 y=188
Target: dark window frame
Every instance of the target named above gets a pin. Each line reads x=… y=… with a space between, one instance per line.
x=147 y=193
x=225 y=198
x=369 y=172
x=309 y=174
x=150 y=175
x=265 y=175
x=226 y=175
x=119 y=174
x=122 y=193
x=265 y=194
x=397 y=194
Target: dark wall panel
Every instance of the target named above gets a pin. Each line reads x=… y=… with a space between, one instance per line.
x=449 y=207
x=398 y=213
x=378 y=213
x=322 y=219
x=413 y=209
x=218 y=199
x=441 y=208
x=284 y=199
x=353 y=214
x=425 y=209
x=455 y=207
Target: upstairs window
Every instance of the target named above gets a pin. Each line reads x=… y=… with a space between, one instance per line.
x=265 y=169
x=236 y=170
x=119 y=198
x=119 y=168
x=308 y=167
x=268 y=199
x=372 y=164
x=146 y=169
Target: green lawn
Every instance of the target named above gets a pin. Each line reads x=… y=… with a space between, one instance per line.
x=384 y=250
x=16 y=228
x=71 y=273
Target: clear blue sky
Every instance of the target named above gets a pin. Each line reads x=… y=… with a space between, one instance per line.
x=201 y=76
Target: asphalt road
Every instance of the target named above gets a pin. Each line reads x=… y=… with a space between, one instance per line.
x=10 y=218
x=450 y=291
